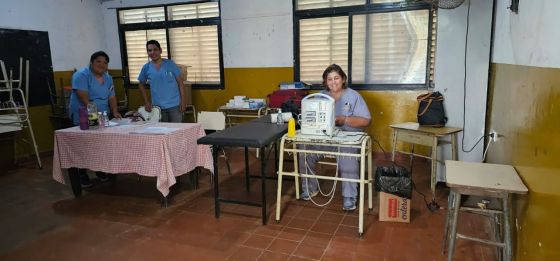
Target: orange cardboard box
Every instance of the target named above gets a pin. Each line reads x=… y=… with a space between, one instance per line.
x=393 y=208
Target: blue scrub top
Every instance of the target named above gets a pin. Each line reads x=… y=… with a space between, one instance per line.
x=350 y=103
x=85 y=81
x=163 y=83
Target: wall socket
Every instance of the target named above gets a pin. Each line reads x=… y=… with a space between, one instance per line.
x=493 y=136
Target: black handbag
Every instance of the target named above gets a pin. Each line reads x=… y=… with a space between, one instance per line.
x=430 y=110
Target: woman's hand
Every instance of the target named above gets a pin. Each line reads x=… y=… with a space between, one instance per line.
x=182 y=107
x=148 y=106
x=340 y=120
x=117 y=115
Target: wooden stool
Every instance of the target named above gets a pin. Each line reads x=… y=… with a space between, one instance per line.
x=485 y=180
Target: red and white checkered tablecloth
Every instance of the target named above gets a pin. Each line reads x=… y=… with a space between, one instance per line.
x=116 y=150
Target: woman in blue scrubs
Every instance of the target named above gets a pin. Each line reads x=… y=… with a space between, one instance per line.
x=352 y=114
x=93 y=84
x=166 y=87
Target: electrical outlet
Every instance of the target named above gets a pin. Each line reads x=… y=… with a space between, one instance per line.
x=493 y=136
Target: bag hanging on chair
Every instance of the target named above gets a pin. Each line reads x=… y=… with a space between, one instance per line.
x=430 y=110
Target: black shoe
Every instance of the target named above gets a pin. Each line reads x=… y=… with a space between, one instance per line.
x=85 y=182
x=102 y=176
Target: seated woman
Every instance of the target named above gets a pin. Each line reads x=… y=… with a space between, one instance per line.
x=352 y=114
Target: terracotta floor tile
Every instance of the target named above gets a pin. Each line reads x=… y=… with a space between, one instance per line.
x=300 y=223
x=317 y=239
x=244 y=253
x=292 y=234
x=325 y=227
x=273 y=256
x=309 y=251
x=258 y=241
x=283 y=246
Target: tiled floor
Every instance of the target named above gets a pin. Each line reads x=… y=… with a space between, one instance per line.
x=41 y=220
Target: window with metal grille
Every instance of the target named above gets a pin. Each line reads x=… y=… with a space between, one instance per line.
x=189 y=34
x=380 y=44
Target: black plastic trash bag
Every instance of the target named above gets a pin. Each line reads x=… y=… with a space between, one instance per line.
x=393 y=179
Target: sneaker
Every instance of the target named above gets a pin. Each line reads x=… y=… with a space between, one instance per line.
x=307 y=196
x=349 y=203
x=102 y=176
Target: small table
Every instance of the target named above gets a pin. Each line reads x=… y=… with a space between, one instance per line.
x=480 y=179
x=258 y=133
x=241 y=113
x=344 y=139
x=119 y=150
x=412 y=132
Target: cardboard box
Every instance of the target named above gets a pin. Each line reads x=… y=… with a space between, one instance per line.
x=393 y=208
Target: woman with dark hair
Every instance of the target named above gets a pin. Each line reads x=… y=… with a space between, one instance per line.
x=166 y=86
x=93 y=84
x=352 y=114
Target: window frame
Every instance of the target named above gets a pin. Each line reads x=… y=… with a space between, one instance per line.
x=166 y=25
x=350 y=11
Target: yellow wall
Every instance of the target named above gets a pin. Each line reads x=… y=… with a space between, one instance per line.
x=525 y=108
x=386 y=107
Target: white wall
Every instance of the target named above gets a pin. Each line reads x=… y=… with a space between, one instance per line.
x=450 y=70
x=75 y=27
x=530 y=37
x=255 y=33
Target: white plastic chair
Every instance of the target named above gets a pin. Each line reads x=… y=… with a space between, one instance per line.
x=214 y=121
x=153 y=116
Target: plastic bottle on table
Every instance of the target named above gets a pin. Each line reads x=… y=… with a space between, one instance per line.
x=291 y=128
x=279 y=119
x=105 y=119
x=100 y=120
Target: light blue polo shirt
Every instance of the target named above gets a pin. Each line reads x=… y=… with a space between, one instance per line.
x=85 y=81
x=351 y=103
x=163 y=84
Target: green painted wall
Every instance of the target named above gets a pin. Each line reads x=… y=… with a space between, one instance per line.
x=524 y=107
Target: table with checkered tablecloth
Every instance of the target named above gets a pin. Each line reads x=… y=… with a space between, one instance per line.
x=124 y=149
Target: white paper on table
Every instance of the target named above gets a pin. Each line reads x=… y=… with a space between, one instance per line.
x=154 y=130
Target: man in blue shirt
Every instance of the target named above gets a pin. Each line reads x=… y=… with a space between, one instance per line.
x=166 y=87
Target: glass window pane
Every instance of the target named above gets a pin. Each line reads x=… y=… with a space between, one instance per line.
x=194 y=11
x=136 y=49
x=322 y=41
x=197 y=47
x=315 y=4
x=390 y=48
x=142 y=15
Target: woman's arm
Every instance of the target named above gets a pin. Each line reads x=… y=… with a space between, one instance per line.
x=83 y=96
x=352 y=121
x=114 y=107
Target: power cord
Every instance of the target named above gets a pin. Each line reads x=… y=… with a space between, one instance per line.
x=433 y=205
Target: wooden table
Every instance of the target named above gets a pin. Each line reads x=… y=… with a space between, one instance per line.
x=121 y=150
x=412 y=132
x=480 y=179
